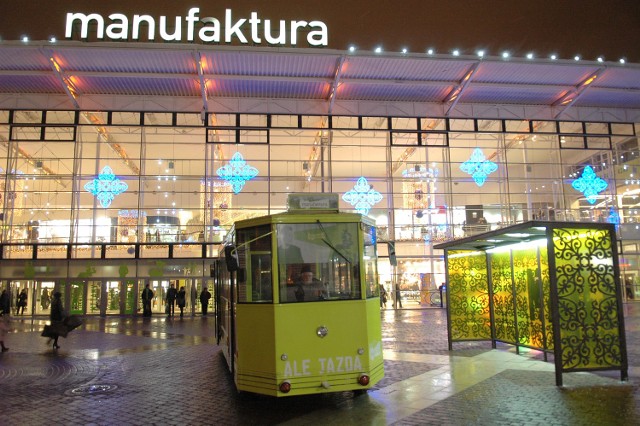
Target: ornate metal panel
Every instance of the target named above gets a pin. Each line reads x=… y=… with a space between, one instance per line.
x=468 y=296
x=588 y=318
x=547 y=319
x=502 y=296
x=528 y=297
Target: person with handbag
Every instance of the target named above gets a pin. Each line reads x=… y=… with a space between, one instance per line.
x=182 y=300
x=147 y=296
x=204 y=300
x=57 y=317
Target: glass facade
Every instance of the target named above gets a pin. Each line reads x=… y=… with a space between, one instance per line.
x=159 y=185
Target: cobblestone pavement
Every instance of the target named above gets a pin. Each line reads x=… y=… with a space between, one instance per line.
x=135 y=371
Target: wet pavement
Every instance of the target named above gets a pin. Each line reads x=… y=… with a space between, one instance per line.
x=135 y=371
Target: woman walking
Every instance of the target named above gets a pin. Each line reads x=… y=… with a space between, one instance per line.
x=57 y=317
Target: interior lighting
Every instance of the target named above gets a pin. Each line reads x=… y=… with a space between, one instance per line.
x=576 y=58
x=404 y=50
x=622 y=60
x=430 y=51
x=529 y=55
x=378 y=49
x=505 y=55
x=456 y=52
x=600 y=59
x=362 y=196
x=25 y=39
x=52 y=40
x=106 y=186
x=352 y=48
x=480 y=53
x=478 y=167
x=553 y=57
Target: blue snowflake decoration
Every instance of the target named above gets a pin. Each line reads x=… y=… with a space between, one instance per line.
x=614 y=218
x=106 y=186
x=589 y=184
x=362 y=196
x=237 y=172
x=478 y=167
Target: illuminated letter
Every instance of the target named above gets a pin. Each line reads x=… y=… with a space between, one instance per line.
x=177 y=35
x=305 y=367
x=287 y=369
x=118 y=30
x=321 y=33
x=322 y=360
x=254 y=21
x=281 y=39
x=191 y=20
x=294 y=30
x=357 y=365
x=214 y=30
x=84 y=28
x=230 y=30
x=137 y=21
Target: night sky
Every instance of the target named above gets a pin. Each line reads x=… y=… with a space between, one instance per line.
x=566 y=27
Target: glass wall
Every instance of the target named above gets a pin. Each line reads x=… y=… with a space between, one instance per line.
x=162 y=178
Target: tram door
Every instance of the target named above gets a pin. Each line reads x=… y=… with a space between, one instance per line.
x=44 y=293
x=77 y=297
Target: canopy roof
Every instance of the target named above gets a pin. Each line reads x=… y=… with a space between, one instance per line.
x=77 y=70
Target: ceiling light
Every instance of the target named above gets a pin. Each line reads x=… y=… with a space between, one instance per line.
x=378 y=49
x=456 y=52
x=430 y=51
x=352 y=48
x=600 y=59
x=622 y=60
x=576 y=58
x=52 y=40
x=529 y=55
x=481 y=53
x=25 y=39
x=553 y=57
x=505 y=54
x=404 y=50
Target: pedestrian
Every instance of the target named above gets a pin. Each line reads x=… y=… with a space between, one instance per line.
x=22 y=301
x=182 y=300
x=383 y=297
x=147 y=297
x=194 y=299
x=4 y=329
x=5 y=305
x=45 y=299
x=204 y=300
x=172 y=293
x=56 y=317
x=398 y=298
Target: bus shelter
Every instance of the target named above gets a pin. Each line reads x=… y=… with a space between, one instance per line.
x=549 y=286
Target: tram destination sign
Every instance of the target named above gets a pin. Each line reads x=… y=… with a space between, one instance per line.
x=194 y=28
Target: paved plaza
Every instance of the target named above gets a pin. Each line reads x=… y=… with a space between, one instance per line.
x=135 y=371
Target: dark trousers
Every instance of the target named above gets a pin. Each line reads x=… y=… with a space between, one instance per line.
x=205 y=306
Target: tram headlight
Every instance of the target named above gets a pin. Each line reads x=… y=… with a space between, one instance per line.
x=363 y=380
x=285 y=386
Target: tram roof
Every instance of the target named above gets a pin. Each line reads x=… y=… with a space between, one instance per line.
x=82 y=72
x=305 y=217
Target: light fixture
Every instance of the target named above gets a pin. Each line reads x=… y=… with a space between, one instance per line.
x=362 y=196
x=25 y=39
x=352 y=48
x=553 y=57
x=576 y=58
x=404 y=50
x=456 y=52
x=237 y=172
x=430 y=51
x=600 y=59
x=52 y=40
x=622 y=60
x=106 y=186
x=529 y=55
x=478 y=167
x=505 y=54
x=589 y=184
x=378 y=49
x=480 y=53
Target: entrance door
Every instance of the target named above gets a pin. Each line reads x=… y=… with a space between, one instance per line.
x=113 y=298
x=129 y=292
x=15 y=288
x=159 y=293
x=44 y=294
x=94 y=295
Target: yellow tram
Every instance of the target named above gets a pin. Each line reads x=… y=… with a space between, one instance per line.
x=297 y=300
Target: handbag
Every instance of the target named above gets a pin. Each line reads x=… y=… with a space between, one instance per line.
x=167 y=308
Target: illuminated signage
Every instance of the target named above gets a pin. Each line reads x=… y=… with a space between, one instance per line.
x=118 y=26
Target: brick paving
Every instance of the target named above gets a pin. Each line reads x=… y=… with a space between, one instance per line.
x=168 y=372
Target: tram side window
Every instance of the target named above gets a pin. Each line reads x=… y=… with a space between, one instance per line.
x=254 y=255
x=370 y=262
x=317 y=262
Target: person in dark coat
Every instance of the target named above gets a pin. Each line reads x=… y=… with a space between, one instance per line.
x=204 y=300
x=172 y=293
x=182 y=300
x=56 y=316
x=147 y=296
x=5 y=303
x=22 y=301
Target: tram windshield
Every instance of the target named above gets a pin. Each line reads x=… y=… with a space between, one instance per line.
x=318 y=261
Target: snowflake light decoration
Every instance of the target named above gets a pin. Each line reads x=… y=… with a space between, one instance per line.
x=589 y=184
x=478 y=167
x=237 y=172
x=362 y=196
x=106 y=186
x=614 y=218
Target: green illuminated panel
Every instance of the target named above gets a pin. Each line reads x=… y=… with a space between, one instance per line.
x=468 y=291
x=587 y=303
x=503 y=309
x=546 y=302
x=528 y=297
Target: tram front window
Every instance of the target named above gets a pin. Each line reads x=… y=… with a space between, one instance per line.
x=318 y=261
